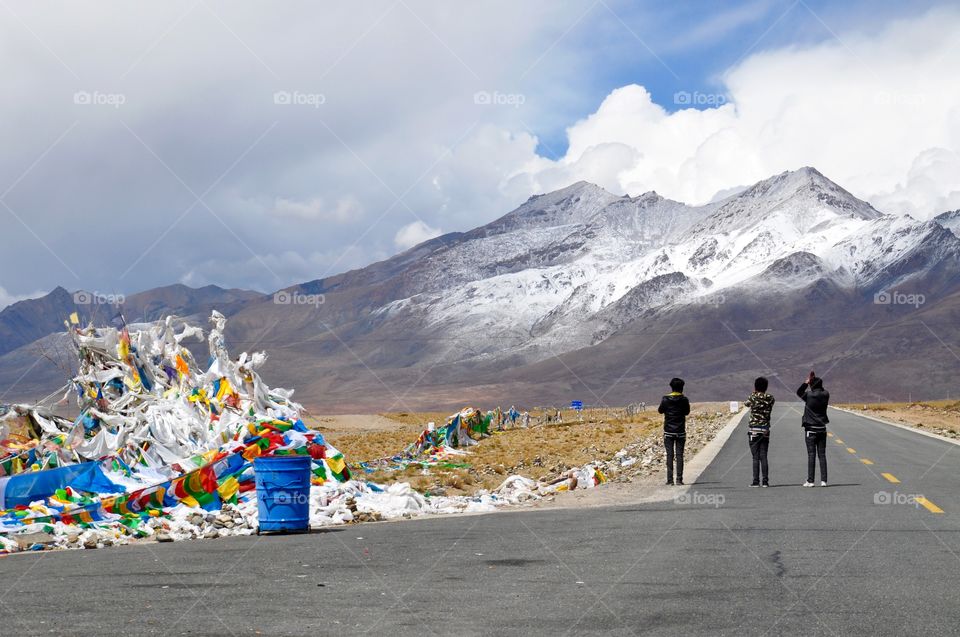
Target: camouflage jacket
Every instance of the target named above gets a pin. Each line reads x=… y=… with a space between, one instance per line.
x=760 y=407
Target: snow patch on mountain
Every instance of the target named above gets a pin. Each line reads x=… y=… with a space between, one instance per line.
x=572 y=266
x=950 y=221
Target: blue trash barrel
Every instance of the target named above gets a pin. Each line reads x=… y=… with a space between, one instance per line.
x=283 y=492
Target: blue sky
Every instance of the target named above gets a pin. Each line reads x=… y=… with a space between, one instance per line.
x=260 y=145
x=687 y=46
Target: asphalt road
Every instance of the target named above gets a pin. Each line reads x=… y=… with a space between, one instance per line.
x=860 y=557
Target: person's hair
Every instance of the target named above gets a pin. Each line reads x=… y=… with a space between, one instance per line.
x=676 y=384
x=760 y=384
x=816 y=383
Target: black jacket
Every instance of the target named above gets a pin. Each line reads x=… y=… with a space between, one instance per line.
x=815 y=407
x=674 y=408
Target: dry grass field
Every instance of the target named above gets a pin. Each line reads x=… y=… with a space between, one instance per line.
x=938 y=416
x=540 y=451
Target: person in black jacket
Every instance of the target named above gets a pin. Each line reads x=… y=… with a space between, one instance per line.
x=674 y=407
x=815 y=399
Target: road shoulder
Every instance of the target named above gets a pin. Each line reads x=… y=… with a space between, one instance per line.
x=911 y=428
x=644 y=491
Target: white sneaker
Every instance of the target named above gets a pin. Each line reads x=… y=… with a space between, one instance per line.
x=822 y=483
x=808 y=484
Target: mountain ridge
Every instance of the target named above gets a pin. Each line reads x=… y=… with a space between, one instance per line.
x=581 y=272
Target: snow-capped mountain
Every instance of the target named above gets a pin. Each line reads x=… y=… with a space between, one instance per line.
x=950 y=221
x=582 y=291
x=581 y=276
x=567 y=269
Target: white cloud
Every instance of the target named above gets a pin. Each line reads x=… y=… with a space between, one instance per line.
x=9 y=299
x=414 y=234
x=719 y=24
x=301 y=190
x=347 y=208
x=932 y=184
x=878 y=113
x=288 y=265
x=222 y=101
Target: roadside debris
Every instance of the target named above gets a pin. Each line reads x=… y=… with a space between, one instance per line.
x=162 y=449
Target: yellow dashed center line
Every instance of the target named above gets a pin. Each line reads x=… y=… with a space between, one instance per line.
x=830 y=434
x=922 y=501
x=928 y=505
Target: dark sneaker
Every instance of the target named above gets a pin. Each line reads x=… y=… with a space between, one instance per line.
x=679 y=483
x=765 y=485
x=754 y=484
x=669 y=483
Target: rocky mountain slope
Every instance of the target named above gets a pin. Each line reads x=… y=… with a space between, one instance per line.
x=950 y=220
x=581 y=292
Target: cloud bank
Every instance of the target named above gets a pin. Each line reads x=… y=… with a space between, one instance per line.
x=258 y=146
x=878 y=113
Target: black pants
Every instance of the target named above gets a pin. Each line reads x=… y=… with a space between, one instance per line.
x=816 y=446
x=674 y=445
x=759 y=443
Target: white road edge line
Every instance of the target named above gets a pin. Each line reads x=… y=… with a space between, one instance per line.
x=915 y=430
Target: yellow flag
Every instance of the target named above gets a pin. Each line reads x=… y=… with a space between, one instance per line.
x=229 y=488
x=75 y=319
x=225 y=389
x=336 y=464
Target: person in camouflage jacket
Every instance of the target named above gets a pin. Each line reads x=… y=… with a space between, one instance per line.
x=758 y=432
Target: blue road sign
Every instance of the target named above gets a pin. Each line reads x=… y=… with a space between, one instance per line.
x=576 y=404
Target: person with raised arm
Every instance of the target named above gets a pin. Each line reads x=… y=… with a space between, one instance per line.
x=815 y=400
